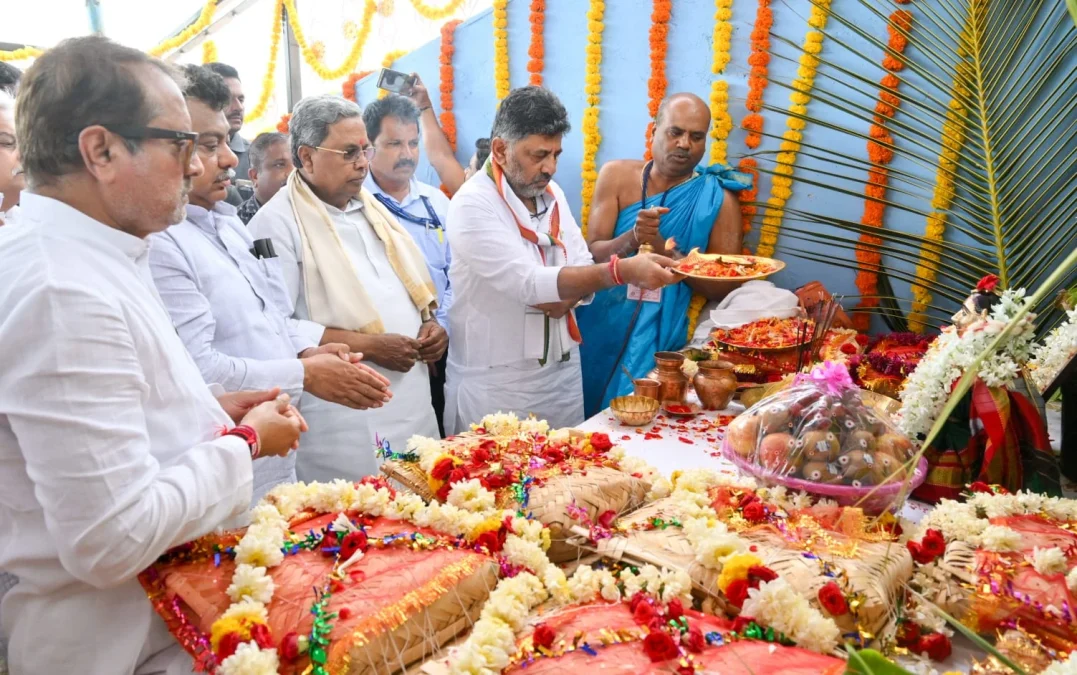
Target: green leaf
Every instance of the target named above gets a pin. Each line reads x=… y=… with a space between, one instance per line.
x=871 y=662
x=1071 y=5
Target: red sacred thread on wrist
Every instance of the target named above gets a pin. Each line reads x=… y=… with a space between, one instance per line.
x=614 y=272
x=249 y=435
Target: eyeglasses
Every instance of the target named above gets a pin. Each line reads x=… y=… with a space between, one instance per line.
x=187 y=138
x=352 y=155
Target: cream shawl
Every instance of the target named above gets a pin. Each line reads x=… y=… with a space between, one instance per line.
x=334 y=293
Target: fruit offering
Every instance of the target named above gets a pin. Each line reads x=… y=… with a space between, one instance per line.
x=819 y=431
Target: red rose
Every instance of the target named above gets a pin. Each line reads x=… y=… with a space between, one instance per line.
x=755 y=512
x=601 y=442
x=553 y=455
x=492 y=540
x=354 y=541
x=643 y=613
x=660 y=646
x=762 y=573
x=908 y=634
x=988 y=284
x=289 y=647
x=262 y=637
x=442 y=469
x=737 y=592
x=694 y=641
x=458 y=474
x=918 y=554
x=675 y=609
x=848 y=348
x=935 y=645
x=832 y=599
x=933 y=543
x=495 y=481
x=480 y=454
x=228 y=645
x=443 y=492
x=636 y=599
x=741 y=622
x=543 y=636
x=862 y=339
x=606 y=518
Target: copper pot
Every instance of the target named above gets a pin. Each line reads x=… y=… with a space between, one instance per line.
x=715 y=384
x=672 y=383
x=646 y=387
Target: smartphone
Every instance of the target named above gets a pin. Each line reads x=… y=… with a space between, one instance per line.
x=395 y=81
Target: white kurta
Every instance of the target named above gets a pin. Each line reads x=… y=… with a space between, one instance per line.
x=341 y=441
x=498 y=339
x=109 y=454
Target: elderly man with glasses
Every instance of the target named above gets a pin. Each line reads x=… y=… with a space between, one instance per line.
x=350 y=266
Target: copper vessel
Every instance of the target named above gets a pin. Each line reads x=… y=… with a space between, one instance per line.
x=646 y=387
x=715 y=384
x=672 y=383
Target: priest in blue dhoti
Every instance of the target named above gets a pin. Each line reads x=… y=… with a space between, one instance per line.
x=669 y=199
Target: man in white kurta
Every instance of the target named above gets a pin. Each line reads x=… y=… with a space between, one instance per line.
x=111 y=445
x=520 y=265
x=351 y=267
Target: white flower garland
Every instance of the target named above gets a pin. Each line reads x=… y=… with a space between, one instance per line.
x=969 y=521
x=261 y=547
x=1048 y=561
x=489 y=648
x=928 y=387
x=1058 y=348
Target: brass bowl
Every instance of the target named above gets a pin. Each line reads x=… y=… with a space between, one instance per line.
x=634 y=411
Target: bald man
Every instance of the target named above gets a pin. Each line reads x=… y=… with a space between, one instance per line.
x=671 y=199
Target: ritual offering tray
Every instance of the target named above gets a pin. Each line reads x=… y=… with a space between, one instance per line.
x=1001 y=560
x=888 y=360
x=834 y=574
x=555 y=475
x=820 y=436
x=726 y=267
x=619 y=622
x=766 y=334
x=336 y=578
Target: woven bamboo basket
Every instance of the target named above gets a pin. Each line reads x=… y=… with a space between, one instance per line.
x=878 y=572
x=598 y=490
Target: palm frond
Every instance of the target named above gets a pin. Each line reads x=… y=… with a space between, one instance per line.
x=1010 y=68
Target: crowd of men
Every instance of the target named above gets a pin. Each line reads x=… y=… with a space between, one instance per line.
x=171 y=335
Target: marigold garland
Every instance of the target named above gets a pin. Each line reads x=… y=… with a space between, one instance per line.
x=953 y=140
x=593 y=89
x=387 y=62
x=881 y=153
x=537 y=49
x=200 y=24
x=721 y=122
x=259 y=108
x=209 y=51
x=436 y=13
x=759 y=59
x=656 y=84
x=386 y=8
x=282 y=125
x=348 y=88
x=695 y=308
x=501 y=49
x=21 y=54
x=748 y=210
x=448 y=117
x=324 y=72
x=782 y=182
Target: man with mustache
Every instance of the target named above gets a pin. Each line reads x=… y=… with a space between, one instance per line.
x=270 y=166
x=520 y=266
x=392 y=125
x=113 y=448
x=234 y=113
x=351 y=266
x=230 y=307
x=666 y=199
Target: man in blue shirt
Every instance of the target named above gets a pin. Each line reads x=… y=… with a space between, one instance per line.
x=392 y=124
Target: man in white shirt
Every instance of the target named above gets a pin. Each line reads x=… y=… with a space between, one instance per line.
x=392 y=125
x=520 y=266
x=111 y=445
x=11 y=178
x=350 y=266
x=229 y=307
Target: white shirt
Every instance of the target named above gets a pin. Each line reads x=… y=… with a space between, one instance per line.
x=496 y=274
x=340 y=443
x=231 y=311
x=109 y=453
x=433 y=242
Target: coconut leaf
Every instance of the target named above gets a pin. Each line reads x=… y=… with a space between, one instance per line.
x=1011 y=66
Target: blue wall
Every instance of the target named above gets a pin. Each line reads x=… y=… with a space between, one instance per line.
x=623 y=117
